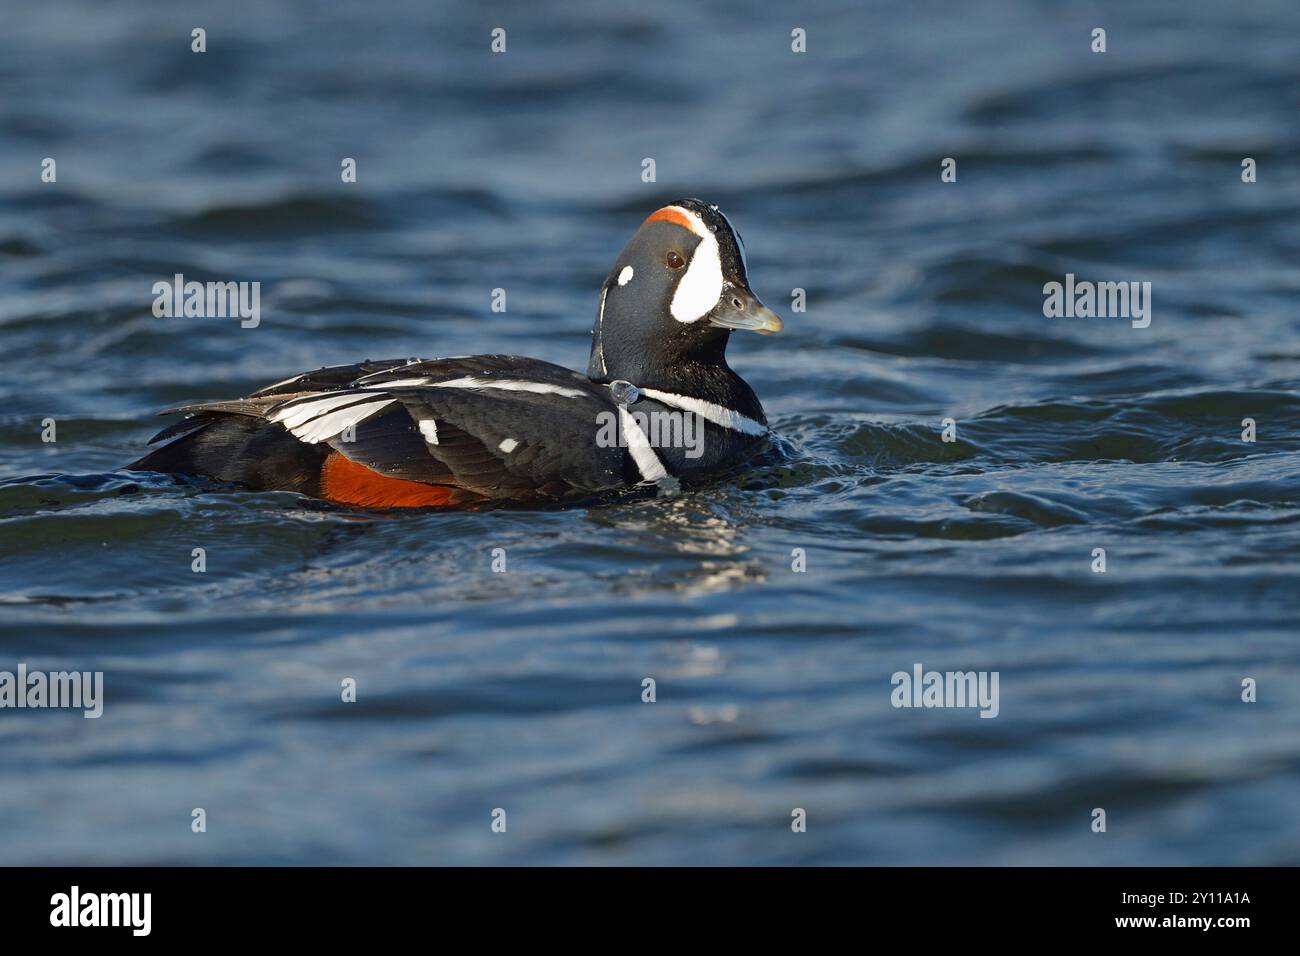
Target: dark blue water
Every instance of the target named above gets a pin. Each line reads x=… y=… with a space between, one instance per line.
x=522 y=690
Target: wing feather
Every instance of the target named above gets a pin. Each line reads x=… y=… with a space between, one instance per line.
x=494 y=425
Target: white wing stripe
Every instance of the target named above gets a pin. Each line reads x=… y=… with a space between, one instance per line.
x=294 y=415
x=320 y=417
x=509 y=385
x=328 y=426
x=399 y=383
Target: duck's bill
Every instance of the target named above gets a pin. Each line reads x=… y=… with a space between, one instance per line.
x=740 y=309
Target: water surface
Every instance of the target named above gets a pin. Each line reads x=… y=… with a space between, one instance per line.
x=522 y=690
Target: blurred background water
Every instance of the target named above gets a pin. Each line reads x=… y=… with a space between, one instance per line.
x=522 y=690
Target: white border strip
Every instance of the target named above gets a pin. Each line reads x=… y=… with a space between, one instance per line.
x=709 y=411
x=509 y=385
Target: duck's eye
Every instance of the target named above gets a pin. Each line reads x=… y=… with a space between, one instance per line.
x=674 y=259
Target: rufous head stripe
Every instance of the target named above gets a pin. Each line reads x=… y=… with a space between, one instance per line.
x=678 y=217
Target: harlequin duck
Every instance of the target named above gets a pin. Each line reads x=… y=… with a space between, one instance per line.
x=500 y=428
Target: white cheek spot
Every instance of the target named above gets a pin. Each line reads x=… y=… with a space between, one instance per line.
x=508 y=445
x=701 y=286
x=625 y=276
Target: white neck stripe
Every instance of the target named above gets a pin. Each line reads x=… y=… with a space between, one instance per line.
x=717 y=414
x=647 y=462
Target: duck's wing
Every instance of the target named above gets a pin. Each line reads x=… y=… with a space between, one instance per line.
x=488 y=426
x=499 y=426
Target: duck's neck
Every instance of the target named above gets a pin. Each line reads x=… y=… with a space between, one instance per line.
x=708 y=378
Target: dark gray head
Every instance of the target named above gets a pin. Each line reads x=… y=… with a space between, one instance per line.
x=674 y=296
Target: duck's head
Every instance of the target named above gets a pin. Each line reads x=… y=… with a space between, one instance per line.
x=673 y=298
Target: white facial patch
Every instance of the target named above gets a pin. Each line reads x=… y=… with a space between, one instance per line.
x=701 y=287
x=625 y=276
x=508 y=445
